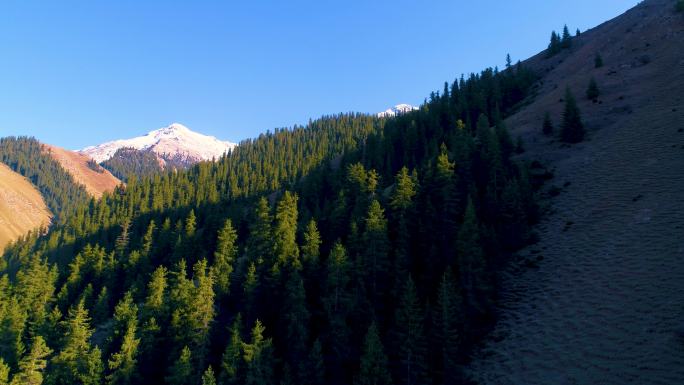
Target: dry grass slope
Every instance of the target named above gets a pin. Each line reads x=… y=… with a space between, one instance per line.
x=21 y=206
x=96 y=183
x=605 y=303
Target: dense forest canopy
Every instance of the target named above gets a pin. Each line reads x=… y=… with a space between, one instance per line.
x=352 y=250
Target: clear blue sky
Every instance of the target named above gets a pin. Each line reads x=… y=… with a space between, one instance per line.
x=76 y=73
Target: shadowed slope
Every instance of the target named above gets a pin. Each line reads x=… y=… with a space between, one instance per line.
x=606 y=304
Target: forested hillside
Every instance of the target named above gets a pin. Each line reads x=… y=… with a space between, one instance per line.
x=26 y=157
x=353 y=250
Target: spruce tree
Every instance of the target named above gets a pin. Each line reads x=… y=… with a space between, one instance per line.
x=258 y=356
x=446 y=330
x=32 y=365
x=375 y=260
x=566 y=40
x=472 y=264
x=410 y=337
x=224 y=258
x=593 y=90
x=285 y=231
x=77 y=362
x=296 y=320
x=337 y=301
x=598 y=61
x=122 y=364
x=374 y=363
x=4 y=373
x=311 y=247
x=554 y=44
x=208 y=377
x=231 y=361
x=181 y=372
x=572 y=128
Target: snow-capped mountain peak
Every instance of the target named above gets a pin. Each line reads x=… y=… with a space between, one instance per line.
x=174 y=142
x=397 y=110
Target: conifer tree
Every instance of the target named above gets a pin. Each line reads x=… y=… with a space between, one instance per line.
x=296 y=319
x=446 y=338
x=259 y=243
x=224 y=258
x=311 y=246
x=375 y=260
x=180 y=373
x=593 y=90
x=374 y=363
x=122 y=364
x=316 y=366
x=285 y=231
x=598 y=61
x=77 y=362
x=410 y=337
x=547 y=126
x=232 y=361
x=572 y=128
x=566 y=40
x=4 y=373
x=258 y=357
x=474 y=280
x=554 y=44
x=337 y=300
x=208 y=377
x=32 y=365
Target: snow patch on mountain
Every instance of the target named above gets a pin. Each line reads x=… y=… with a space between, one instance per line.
x=396 y=110
x=173 y=142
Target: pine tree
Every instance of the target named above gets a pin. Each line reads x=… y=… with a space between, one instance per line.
x=508 y=60
x=374 y=363
x=180 y=373
x=224 y=258
x=577 y=32
x=410 y=338
x=572 y=128
x=547 y=127
x=32 y=365
x=446 y=335
x=598 y=61
x=258 y=357
x=593 y=90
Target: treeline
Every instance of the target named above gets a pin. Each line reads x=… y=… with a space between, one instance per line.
x=27 y=157
x=352 y=250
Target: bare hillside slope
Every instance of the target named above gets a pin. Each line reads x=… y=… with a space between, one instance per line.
x=95 y=182
x=22 y=208
x=605 y=303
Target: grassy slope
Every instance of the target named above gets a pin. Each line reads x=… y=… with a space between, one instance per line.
x=21 y=206
x=96 y=183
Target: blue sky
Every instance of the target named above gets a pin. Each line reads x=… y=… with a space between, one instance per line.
x=77 y=73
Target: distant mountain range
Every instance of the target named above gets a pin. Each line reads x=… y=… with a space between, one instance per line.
x=175 y=143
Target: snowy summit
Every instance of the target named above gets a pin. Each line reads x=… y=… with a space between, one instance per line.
x=173 y=142
x=397 y=110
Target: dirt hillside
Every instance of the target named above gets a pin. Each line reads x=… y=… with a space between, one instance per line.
x=21 y=206
x=604 y=300
x=95 y=182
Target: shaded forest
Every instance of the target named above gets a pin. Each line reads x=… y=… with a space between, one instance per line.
x=350 y=250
